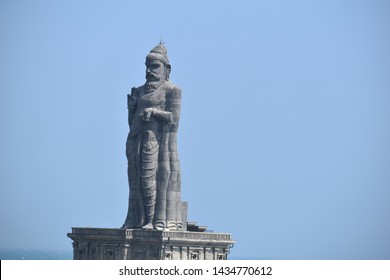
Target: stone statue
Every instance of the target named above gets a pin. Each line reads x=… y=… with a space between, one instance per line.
x=151 y=149
x=156 y=226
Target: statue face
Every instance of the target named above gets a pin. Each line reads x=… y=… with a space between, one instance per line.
x=155 y=70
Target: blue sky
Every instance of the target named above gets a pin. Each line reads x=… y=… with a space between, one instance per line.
x=284 y=134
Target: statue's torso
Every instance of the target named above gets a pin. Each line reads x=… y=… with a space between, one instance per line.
x=155 y=99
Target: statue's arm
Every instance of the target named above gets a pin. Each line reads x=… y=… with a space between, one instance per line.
x=171 y=114
x=132 y=104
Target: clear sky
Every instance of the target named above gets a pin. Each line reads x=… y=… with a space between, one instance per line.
x=284 y=136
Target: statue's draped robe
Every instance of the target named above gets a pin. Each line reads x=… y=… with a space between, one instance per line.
x=153 y=163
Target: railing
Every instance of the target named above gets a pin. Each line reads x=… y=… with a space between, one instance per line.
x=152 y=234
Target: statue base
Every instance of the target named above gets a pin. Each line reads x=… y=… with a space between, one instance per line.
x=139 y=244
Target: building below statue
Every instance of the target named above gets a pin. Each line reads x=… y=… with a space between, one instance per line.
x=140 y=244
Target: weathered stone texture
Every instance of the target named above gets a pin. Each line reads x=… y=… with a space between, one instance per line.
x=136 y=244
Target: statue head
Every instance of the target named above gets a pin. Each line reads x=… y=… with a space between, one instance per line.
x=157 y=64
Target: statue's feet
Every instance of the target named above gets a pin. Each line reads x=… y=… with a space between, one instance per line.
x=148 y=226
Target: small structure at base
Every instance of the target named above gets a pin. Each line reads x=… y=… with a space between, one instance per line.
x=140 y=244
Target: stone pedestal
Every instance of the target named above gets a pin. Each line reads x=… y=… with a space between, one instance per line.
x=138 y=244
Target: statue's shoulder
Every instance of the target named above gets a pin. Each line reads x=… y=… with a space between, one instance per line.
x=136 y=90
x=173 y=89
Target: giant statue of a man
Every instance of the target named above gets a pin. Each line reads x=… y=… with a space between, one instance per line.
x=151 y=148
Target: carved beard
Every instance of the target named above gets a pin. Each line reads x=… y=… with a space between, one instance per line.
x=153 y=85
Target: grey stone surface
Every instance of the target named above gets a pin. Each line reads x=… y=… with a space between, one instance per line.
x=140 y=244
x=151 y=149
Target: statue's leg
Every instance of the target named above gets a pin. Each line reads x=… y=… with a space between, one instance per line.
x=130 y=221
x=149 y=176
x=135 y=213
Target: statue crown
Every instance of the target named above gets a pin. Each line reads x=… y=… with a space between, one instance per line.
x=159 y=52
